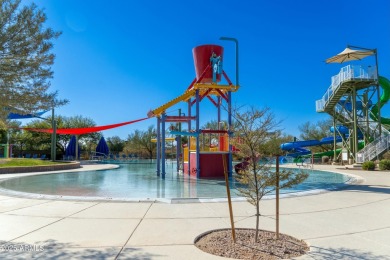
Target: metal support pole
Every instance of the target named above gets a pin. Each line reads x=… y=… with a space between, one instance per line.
x=379 y=109
x=158 y=155
x=219 y=110
x=375 y=51
x=178 y=146
x=334 y=137
x=198 y=136
x=367 y=118
x=230 y=133
x=355 y=124
x=53 y=136
x=378 y=91
x=76 y=153
x=230 y=104
x=6 y=150
x=236 y=42
x=189 y=137
x=163 y=145
x=277 y=197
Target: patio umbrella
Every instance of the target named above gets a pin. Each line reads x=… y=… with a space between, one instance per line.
x=349 y=55
x=71 y=148
x=102 y=147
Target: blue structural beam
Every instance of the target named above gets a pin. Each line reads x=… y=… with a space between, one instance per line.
x=184 y=133
x=158 y=146
x=197 y=138
x=189 y=139
x=230 y=163
x=163 y=145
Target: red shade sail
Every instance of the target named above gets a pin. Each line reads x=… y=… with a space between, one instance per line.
x=84 y=130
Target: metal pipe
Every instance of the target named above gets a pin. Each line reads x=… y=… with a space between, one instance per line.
x=178 y=146
x=277 y=196
x=236 y=42
x=334 y=136
x=197 y=137
x=163 y=145
x=355 y=124
x=76 y=153
x=158 y=155
x=230 y=166
x=230 y=134
x=189 y=138
x=53 y=136
x=219 y=110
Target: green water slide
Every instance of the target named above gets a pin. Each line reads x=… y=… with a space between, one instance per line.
x=385 y=84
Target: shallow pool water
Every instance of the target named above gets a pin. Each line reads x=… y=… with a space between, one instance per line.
x=140 y=181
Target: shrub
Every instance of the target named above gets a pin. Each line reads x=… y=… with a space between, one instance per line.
x=384 y=164
x=369 y=165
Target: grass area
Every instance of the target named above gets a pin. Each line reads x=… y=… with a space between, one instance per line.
x=24 y=162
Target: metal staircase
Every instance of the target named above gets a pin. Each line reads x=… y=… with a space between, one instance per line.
x=342 y=83
x=354 y=78
x=374 y=149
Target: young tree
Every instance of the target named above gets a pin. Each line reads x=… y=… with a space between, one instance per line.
x=255 y=128
x=25 y=60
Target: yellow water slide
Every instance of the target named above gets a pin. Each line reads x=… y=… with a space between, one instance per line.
x=158 y=111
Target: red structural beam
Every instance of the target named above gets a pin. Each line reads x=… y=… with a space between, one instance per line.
x=212 y=101
x=211 y=131
x=203 y=74
x=201 y=98
x=192 y=83
x=179 y=119
x=222 y=95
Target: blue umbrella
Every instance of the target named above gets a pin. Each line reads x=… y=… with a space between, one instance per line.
x=71 y=148
x=102 y=147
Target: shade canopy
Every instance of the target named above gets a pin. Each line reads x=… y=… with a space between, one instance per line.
x=350 y=54
x=102 y=147
x=24 y=116
x=80 y=131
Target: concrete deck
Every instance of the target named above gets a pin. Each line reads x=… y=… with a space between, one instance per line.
x=347 y=224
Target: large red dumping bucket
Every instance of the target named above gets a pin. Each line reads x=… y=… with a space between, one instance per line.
x=202 y=56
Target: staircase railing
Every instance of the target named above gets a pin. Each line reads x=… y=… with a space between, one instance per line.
x=374 y=149
x=346 y=73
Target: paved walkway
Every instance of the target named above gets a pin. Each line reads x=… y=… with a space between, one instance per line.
x=349 y=224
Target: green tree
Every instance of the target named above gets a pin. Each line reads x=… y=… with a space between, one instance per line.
x=142 y=141
x=25 y=60
x=316 y=131
x=88 y=141
x=115 y=144
x=256 y=128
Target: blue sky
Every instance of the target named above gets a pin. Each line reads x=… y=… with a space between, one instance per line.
x=116 y=60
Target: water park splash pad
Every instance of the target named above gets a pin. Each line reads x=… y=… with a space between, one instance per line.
x=138 y=182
